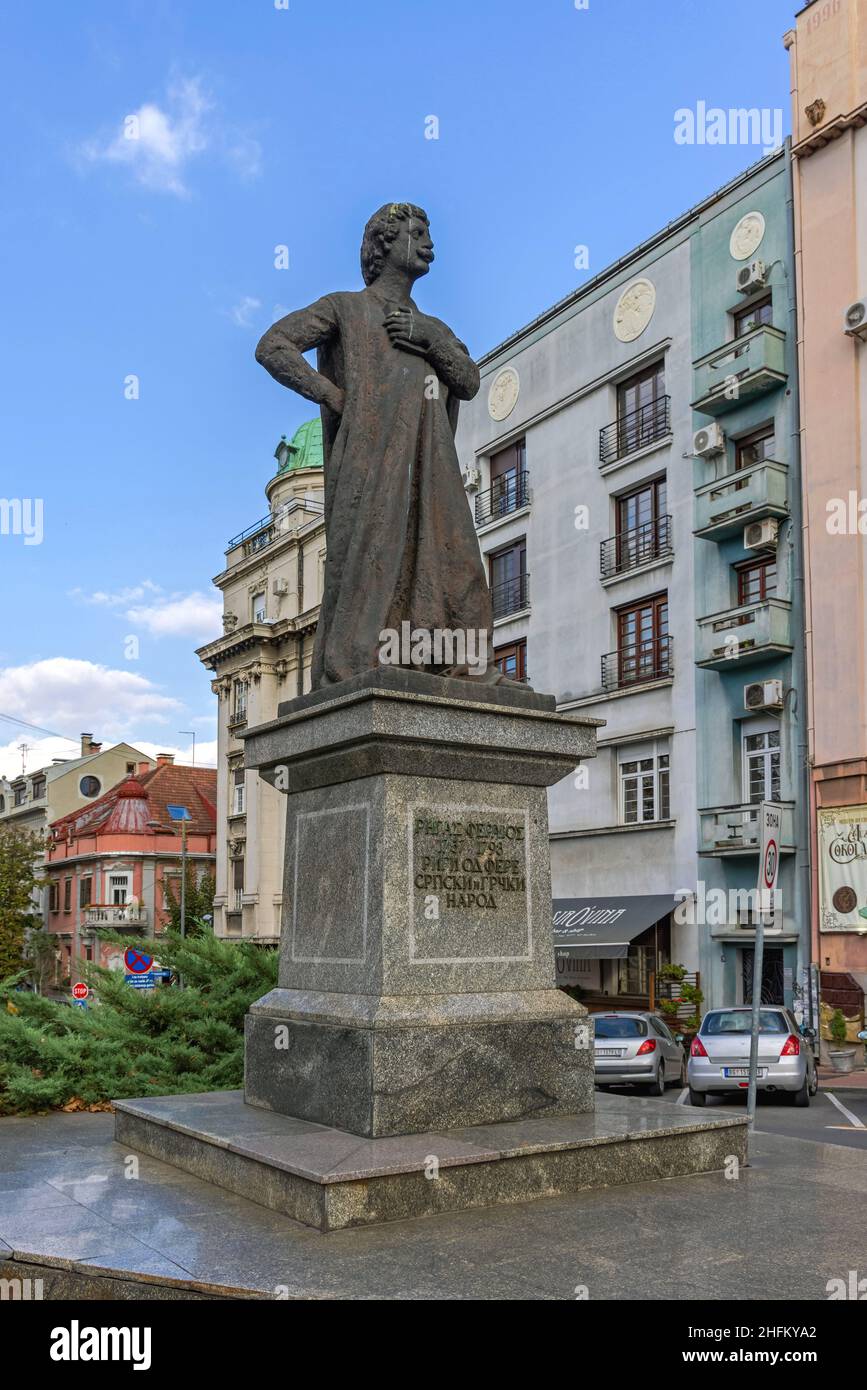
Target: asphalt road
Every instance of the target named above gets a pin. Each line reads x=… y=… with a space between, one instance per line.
x=824 y=1122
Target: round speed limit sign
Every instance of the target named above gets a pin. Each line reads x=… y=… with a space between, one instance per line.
x=770 y=864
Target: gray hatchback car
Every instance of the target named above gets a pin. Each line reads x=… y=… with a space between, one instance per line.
x=719 y=1057
x=636 y=1049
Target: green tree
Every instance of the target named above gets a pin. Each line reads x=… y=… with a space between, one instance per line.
x=199 y=902
x=41 y=956
x=132 y=1042
x=20 y=855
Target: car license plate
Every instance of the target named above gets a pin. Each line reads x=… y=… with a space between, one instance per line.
x=609 y=1052
x=742 y=1071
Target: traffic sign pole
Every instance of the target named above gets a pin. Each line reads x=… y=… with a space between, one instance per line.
x=770 y=827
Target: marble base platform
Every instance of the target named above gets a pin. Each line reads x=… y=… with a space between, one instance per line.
x=331 y=1180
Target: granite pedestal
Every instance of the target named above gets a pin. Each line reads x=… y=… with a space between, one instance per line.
x=416 y=984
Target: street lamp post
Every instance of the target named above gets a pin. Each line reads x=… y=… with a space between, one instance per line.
x=182 y=814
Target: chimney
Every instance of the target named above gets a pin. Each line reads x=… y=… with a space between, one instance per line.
x=165 y=759
x=141 y=768
x=86 y=741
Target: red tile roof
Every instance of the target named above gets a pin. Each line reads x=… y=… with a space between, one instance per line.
x=130 y=806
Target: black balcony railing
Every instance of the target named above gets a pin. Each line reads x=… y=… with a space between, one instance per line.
x=628 y=550
x=650 y=660
x=511 y=596
x=635 y=430
x=506 y=494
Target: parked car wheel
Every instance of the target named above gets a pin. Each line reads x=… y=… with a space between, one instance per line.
x=814 y=1083
x=657 y=1086
x=697 y=1097
x=801 y=1098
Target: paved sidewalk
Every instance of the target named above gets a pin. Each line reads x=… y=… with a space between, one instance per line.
x=780 y=1230
x=830 y=1080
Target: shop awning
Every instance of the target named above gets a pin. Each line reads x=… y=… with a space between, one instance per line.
x=602 y=928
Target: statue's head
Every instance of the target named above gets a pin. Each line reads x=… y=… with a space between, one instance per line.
x=399 y=233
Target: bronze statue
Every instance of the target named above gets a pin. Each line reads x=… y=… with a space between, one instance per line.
x=402 y=548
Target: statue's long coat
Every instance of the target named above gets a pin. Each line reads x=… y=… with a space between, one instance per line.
x=401 y=541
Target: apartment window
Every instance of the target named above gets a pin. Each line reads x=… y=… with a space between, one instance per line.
x=512 y=660
x=642 y=527
x=37 y=788
x=508 y=578
x=85 y=890
x=642 y=409
x=130 y=769
x=753 y=316
x=757 y=580
x=239 y=702
x=67 y=895
x=508 y=483
x=755 y=448
x=238 y=792
x=259 y=608
x=644 y=784
x=642 y=641
x=118 y=889
x=237 y=884
x=761 y=763
x=53 y=896
x=18 y=795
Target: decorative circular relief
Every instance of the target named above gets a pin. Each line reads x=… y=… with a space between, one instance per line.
x=503 y=395
x=746 y=236
x=634 y=310
x=845 y=899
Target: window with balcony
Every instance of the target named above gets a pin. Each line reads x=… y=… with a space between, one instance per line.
x=643 y=645
x=508 y=491
x=643 y=530
x=761 y=763
x=119 y=886
x=757 y=580
x=512 y=660
x=507 y=570
x=239 y=804
x=643 y=415
x=85 y=892
x=239 y=703
x=752 y=316
x=67 y=895
x=755 y=448
x=54 y=896
x=260 y=608
x=236 y=900
x=644 y=784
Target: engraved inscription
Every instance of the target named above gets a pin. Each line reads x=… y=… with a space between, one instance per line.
x=469 y=894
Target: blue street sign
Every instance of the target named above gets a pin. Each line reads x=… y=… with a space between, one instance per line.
x=163 y=974
x=79 y=1003
x=178 y=812
x=142 y=981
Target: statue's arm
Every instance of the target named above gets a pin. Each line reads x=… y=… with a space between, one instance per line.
x=451 y=361
x=281 y=352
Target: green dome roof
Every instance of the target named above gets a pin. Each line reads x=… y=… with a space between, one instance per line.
x=304 y=450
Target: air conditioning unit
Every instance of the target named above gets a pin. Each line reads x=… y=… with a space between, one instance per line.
x=709 y=441
x=855 y=319
x=763 y=695
x=472 y=479
x=752 y=277
x=280 y=586
x=761 y=535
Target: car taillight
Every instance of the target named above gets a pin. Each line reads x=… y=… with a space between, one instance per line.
x=697 y=1048
x=649 y=1045
x=791 y=1047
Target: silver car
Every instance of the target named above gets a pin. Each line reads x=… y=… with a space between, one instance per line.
x=636 y=1049
x=719 y=1058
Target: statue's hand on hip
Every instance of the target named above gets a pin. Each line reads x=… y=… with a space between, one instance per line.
x=333 y=397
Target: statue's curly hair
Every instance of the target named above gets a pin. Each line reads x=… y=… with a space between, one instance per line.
x=380 y=232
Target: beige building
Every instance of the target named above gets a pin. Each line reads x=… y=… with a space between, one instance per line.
x=828 y=56
x=35 y=799
x=272 y=587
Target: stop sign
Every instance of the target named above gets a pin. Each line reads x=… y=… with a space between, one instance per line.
x=80 y=991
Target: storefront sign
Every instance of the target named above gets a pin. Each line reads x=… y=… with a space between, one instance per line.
x=843 y=868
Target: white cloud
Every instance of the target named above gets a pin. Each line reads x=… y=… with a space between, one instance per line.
x=157 y=143
x=242 y=312
x=119 y=599
x=205 y=753
x=180 y=615
x=68 y=695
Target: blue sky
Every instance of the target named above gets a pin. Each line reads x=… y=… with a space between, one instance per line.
x=260 y=126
